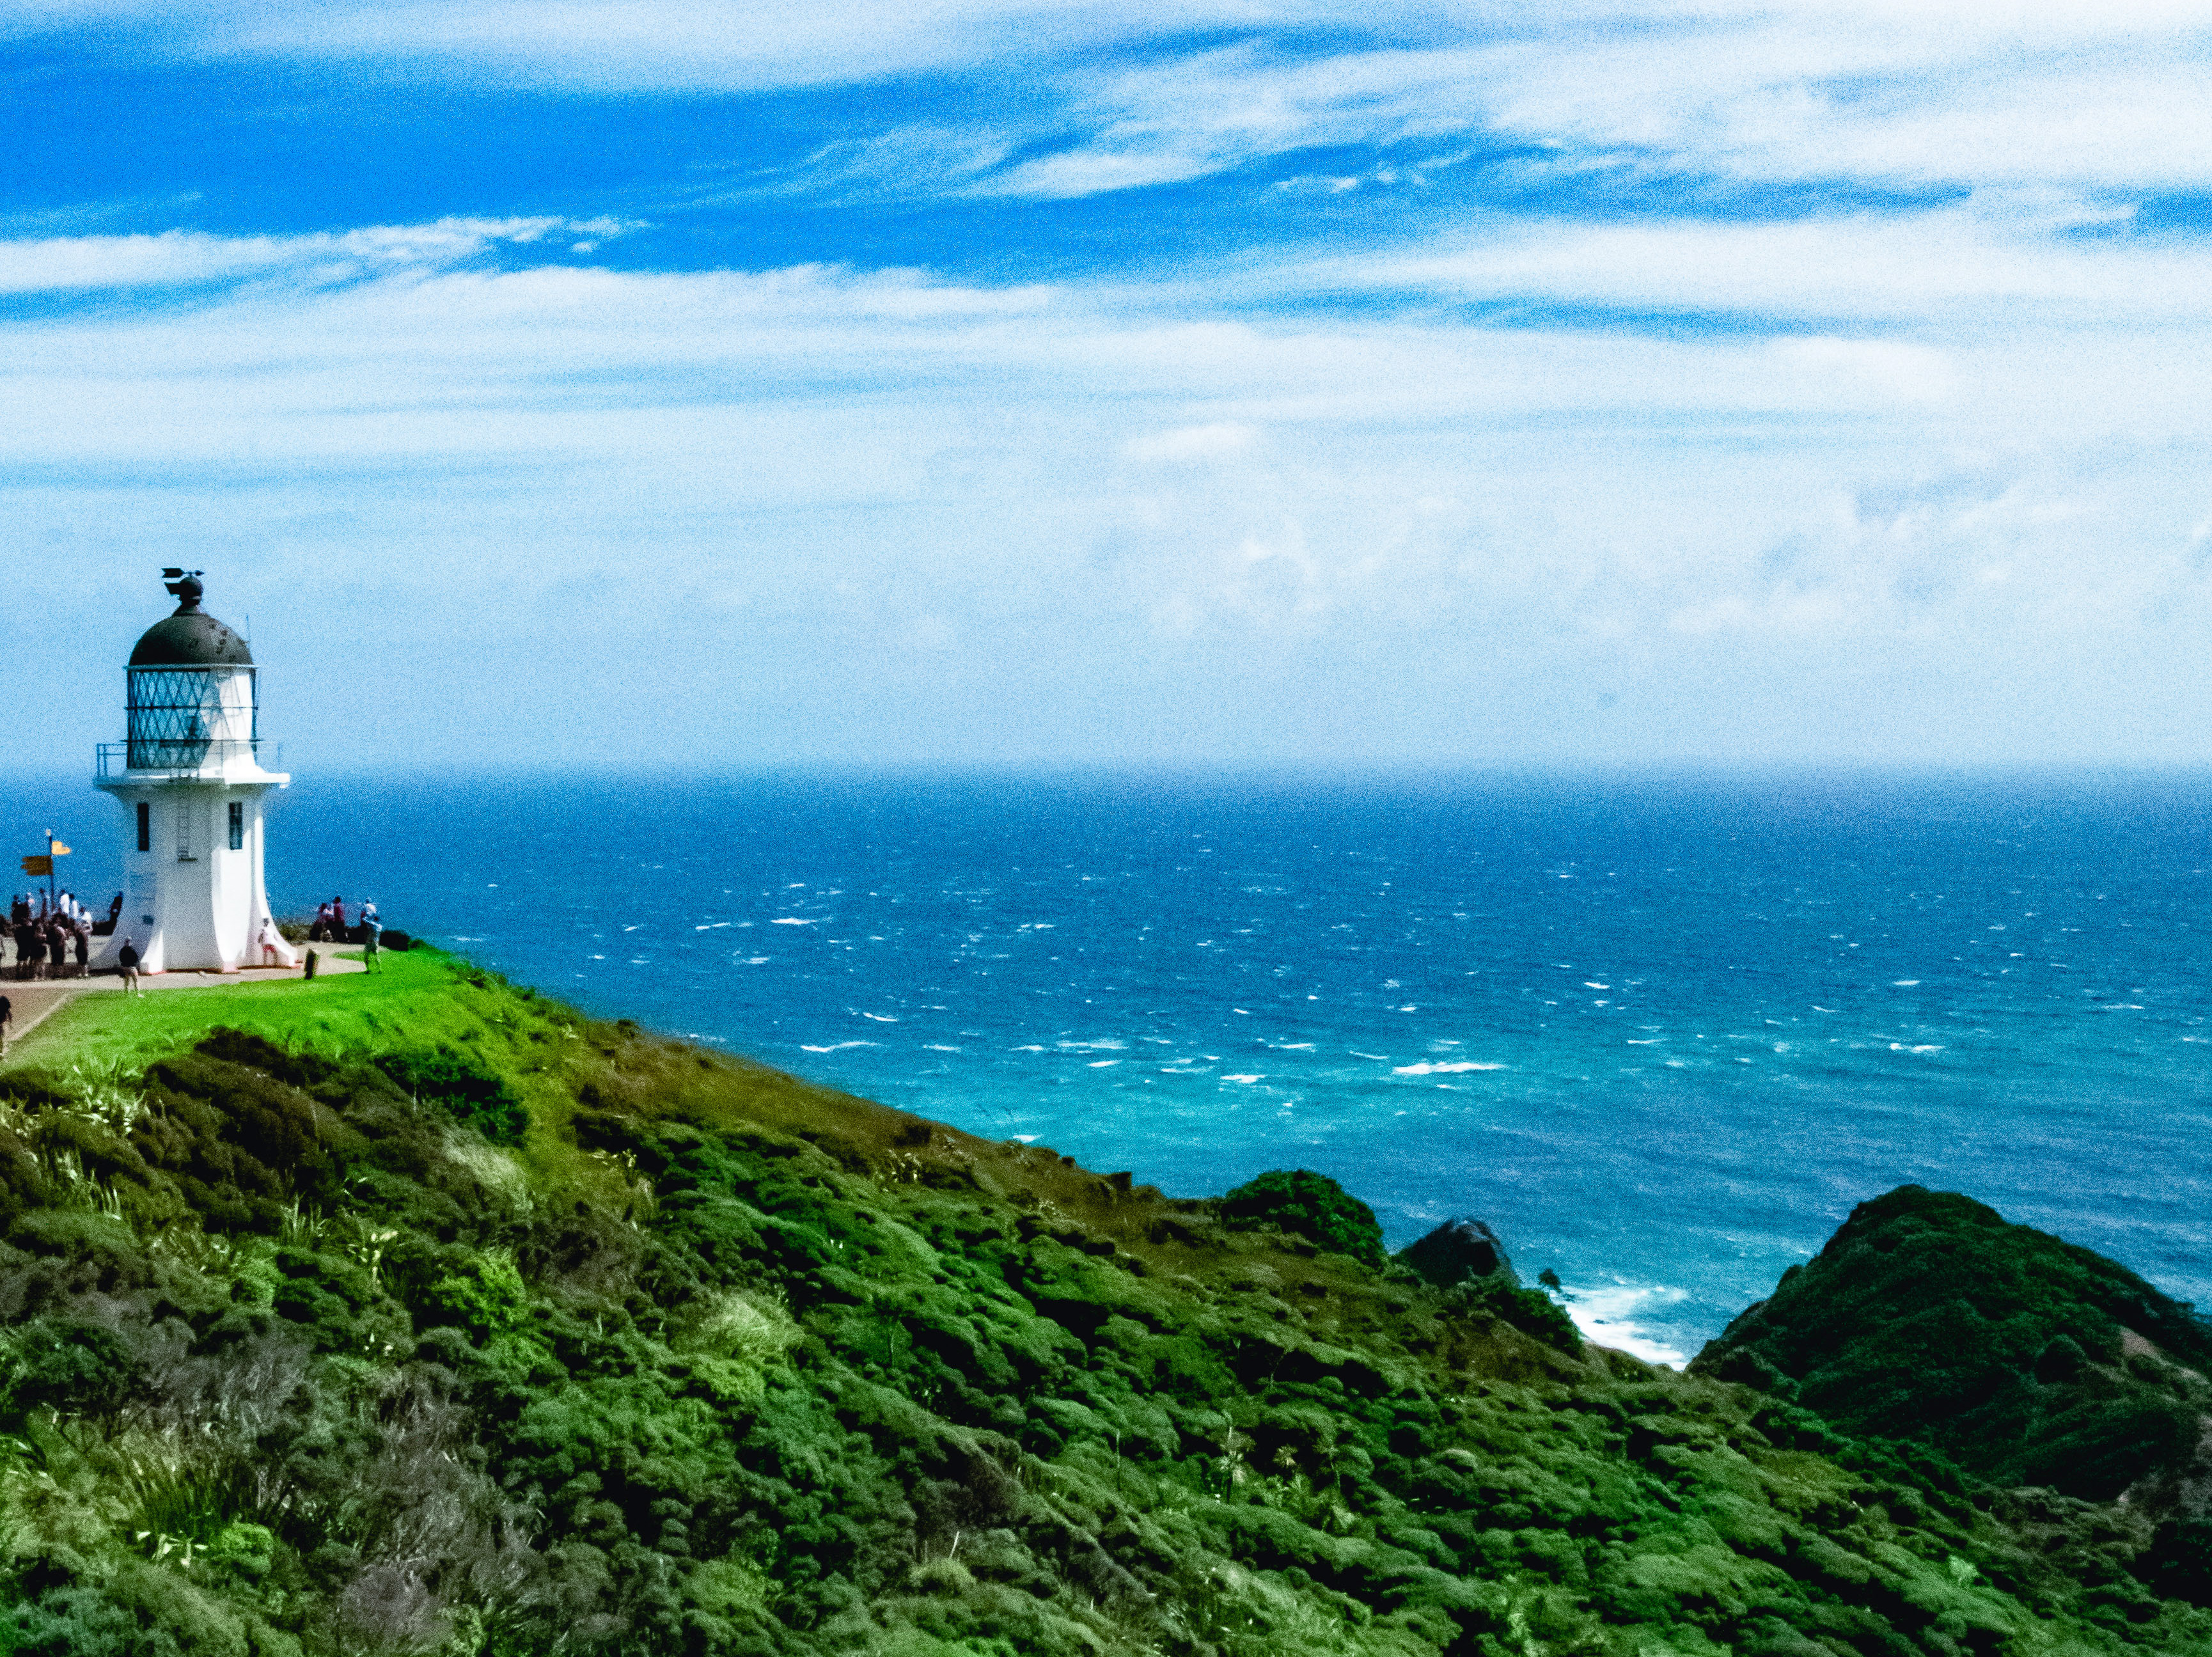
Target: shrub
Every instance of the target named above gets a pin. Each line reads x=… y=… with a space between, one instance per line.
x=1529 y=1310
x=489 y=1301
x=755 y=1329
x=474 y=1095
x=79 y=1368
x=1309 y=1205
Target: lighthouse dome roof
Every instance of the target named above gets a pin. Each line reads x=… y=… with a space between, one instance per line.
x=189 y=637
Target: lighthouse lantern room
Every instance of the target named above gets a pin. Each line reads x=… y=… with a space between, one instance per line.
x=188 y=778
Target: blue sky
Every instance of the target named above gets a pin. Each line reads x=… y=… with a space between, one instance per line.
x=1210 y=382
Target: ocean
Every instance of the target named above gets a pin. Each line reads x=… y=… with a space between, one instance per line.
x=1661 y=1032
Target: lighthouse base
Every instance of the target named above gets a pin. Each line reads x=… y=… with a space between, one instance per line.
x=193 y=896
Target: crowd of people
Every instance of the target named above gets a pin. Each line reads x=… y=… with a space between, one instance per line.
x=330 y=927
x=51 y=935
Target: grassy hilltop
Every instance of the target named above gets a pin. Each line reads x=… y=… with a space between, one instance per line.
x=422 y=1315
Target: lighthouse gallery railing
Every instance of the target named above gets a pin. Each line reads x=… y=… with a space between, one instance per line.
x=117 y=760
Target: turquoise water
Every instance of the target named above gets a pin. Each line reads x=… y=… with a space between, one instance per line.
x=1662 y=1033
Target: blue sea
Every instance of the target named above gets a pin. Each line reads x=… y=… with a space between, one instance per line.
x=1663 y=1032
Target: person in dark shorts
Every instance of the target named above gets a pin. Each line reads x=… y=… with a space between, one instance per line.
x=126 y=962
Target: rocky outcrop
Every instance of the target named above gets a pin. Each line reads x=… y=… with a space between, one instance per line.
x=2025 y=1359
x=1461 y=1250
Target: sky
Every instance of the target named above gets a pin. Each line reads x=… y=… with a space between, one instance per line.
x=618 y=384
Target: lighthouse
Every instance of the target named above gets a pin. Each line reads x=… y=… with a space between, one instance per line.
x=188 y=778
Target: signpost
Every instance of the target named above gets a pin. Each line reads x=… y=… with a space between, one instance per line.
x=45 y=866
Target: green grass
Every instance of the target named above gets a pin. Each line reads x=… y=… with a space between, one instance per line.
x=410 y=1002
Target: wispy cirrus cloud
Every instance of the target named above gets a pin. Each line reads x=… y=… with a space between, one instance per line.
x=1976 y=267
x=1085 y=98
x=179 y=259
x=632 y=45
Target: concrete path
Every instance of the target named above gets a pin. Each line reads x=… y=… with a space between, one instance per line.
x=30 y=1003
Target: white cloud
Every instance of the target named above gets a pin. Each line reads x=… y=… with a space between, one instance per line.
x=950 y=519
x=183 y=259
x=1872 y=97
x=632 y=44
x=1219 y=440
x=1877 y=91
x=1965 y=265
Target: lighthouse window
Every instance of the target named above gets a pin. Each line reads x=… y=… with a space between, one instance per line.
x=145 y=826
x=237 y=826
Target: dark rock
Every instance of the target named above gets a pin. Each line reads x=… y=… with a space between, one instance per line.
x=1460 y=1251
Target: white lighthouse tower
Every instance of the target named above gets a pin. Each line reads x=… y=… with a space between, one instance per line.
x=190 y=781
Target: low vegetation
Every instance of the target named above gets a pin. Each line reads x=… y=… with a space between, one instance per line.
x=428 y=1316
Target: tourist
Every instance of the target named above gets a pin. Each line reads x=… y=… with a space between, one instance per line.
x=126 y=962
x=337 y=920
x=372 y=935
x=35 y=953
x=57 y=943
x=268 y=942
x=320 y=932
x=23 y=947
x=83 y=948
x=19 y=912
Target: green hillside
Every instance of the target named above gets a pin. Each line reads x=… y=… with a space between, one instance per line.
x=2023 y=1357
x=428 y=1316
